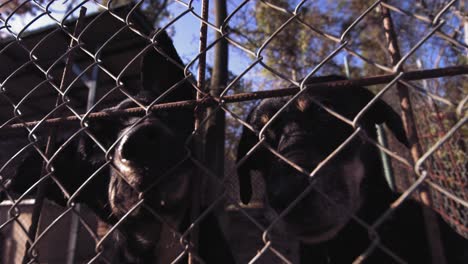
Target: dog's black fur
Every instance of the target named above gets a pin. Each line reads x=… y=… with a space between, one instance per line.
x=141 y=166
x=351 y=183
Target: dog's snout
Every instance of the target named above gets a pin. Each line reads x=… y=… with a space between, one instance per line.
x=139 y=145
x=284 y=192
x=280 y=198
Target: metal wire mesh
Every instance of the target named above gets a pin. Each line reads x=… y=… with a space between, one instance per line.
x=446 y=166
x=52 y=57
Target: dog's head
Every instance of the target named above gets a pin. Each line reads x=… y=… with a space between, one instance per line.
x=147 y=157
x=147 y=154
x=305 y=134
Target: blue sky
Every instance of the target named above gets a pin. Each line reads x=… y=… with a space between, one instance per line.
x=185 y=30
x=186 y=38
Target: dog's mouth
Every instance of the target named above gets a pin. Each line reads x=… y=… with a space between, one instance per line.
x=163 y=192
x=316 y=219
x=327 y=208
x=317 y=234
x=312 y=230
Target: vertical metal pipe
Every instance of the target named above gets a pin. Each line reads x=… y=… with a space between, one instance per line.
x=346 y=64
x=199 y=142
x=431 y=224
x=386 y=163
x=93 y=88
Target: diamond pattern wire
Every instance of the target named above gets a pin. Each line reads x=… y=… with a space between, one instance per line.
x=52 y=117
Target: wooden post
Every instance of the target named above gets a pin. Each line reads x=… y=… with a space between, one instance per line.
x=431 y=224
x=215 y=127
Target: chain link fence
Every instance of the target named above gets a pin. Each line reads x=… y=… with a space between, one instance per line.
x=72 y=72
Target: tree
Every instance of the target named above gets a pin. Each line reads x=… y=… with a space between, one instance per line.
x=155 y=10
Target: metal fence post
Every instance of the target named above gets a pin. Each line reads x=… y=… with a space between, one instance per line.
x=199 y=144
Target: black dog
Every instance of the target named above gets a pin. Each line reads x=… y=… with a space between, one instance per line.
x=147 y=160
x=350 y=184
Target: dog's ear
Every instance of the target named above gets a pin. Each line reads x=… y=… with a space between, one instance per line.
x=256 y=161
x=393 y=121
x=381 y=112
x=247 y=141
x=161 y=68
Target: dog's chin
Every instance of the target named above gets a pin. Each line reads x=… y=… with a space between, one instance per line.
x=313 y=232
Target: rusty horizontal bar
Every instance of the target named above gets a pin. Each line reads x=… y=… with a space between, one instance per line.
x=138 y=111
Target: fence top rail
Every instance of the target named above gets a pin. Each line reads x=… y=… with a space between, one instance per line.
x=210 y=100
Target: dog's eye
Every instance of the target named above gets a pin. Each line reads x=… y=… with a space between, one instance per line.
x=298 y=134
x=127 y=122
x=296 y=140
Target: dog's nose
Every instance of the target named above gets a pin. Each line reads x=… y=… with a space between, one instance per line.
x=140 y=145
